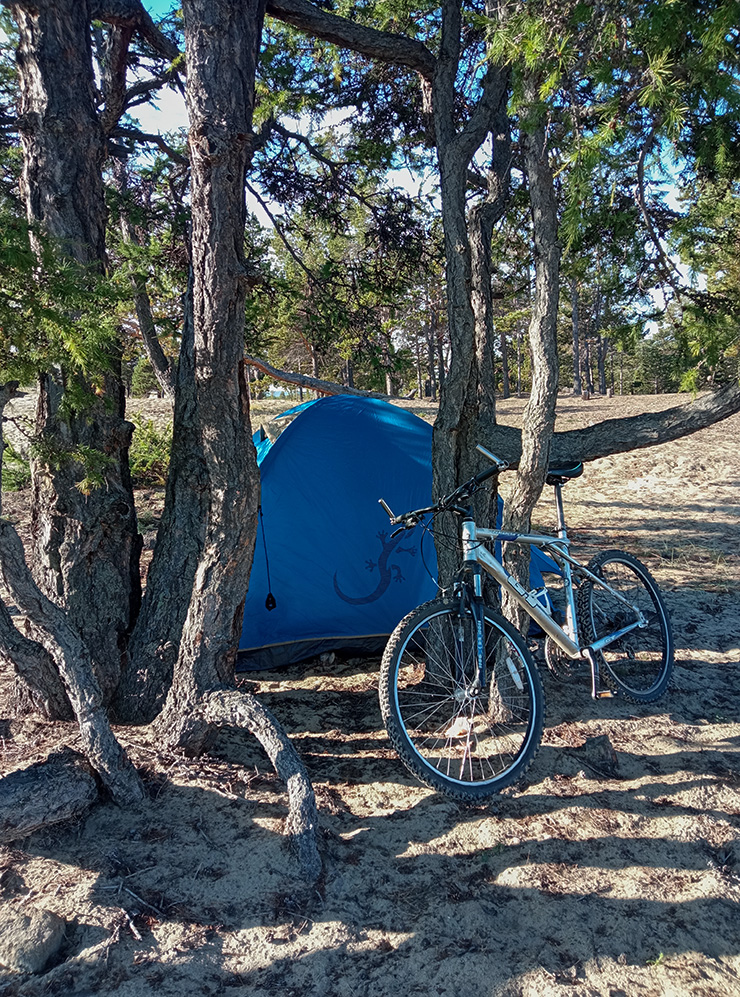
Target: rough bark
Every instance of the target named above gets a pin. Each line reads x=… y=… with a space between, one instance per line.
x=154 y=643
x=626 y=434
x=131 y=15
x=58 y=789
x=222 y=43
x=396 y=49
x=64 y=644
x=85 y=548
x=539 y=412
x=640 y=431
x=466 y=408
x=38 y=687
x=60 y=133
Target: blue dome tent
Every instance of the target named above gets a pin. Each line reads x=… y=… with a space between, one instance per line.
x=323 y=548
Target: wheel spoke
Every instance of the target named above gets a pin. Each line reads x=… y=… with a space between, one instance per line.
x=466 y=741
x=639 y=663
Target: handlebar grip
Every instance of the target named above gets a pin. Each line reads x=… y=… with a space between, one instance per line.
x=485 y=475
x=501 y=465
x=387 y=509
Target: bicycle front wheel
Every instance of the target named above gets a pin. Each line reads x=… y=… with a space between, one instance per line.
x=639 y=664
x=465 y=742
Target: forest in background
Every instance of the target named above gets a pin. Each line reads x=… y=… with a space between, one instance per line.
x=348 y=279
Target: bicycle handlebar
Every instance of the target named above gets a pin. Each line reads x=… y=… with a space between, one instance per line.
x=408 y=520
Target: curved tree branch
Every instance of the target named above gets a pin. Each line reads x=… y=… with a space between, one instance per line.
x=147 y=138
x=311 y=383
x=628 y=433
x=396 y=49
x=131 y=14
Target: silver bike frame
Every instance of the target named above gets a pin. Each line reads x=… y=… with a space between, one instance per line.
x=473 y=537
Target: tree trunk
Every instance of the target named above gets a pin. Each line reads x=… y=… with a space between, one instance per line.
x=503 y=346
x=466 y=413
x=63 y=643
x=222 y=45
x=85 y=546
x=419 y=376
x=38 y=687
x=602 y=347
x=222 y=42
x=539 y=414
x=575 y=305
x=152 y=650
x=587 y=365
x=519 y=362
x=431 y=357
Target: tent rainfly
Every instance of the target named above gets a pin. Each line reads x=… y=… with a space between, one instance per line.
x=324 y=559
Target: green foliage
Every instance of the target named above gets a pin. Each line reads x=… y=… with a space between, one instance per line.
x=53 y=311
x=16 y=469
x=91 y=462
x=143 y=379
x=149 y=455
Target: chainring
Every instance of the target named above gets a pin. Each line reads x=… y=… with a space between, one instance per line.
x=563 y=668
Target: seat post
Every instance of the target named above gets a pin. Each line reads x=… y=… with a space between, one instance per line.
x=562 y=533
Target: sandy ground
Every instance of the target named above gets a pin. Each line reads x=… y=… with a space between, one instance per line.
x=579 y=883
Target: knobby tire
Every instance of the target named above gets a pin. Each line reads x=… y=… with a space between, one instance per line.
x=466 y=747
x=639 y=665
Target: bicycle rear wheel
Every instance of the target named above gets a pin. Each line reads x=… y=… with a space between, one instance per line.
x=464 y=743
x=638 y=665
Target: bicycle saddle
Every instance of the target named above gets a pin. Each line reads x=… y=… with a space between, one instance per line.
x=558 y=474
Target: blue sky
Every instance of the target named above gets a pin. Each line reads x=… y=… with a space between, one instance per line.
x=158 y=8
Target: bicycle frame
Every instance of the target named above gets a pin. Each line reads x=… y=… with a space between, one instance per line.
x=474 y=552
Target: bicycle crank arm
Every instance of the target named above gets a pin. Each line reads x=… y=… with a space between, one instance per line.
x=596 y=691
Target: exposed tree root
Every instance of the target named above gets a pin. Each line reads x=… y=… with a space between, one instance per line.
x=187 y=727
x=62 y=787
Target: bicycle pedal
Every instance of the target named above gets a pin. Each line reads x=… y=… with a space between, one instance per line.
x=605 y=694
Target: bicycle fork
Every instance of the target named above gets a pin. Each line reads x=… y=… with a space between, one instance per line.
x=472 y=685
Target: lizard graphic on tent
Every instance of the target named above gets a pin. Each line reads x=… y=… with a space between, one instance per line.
x=388 y=572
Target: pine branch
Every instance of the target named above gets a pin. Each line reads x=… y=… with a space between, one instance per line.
x=396 y=49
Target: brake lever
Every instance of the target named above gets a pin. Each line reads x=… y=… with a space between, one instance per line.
x=409 y=524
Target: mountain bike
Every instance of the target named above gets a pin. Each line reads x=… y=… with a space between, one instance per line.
x=460 y=693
